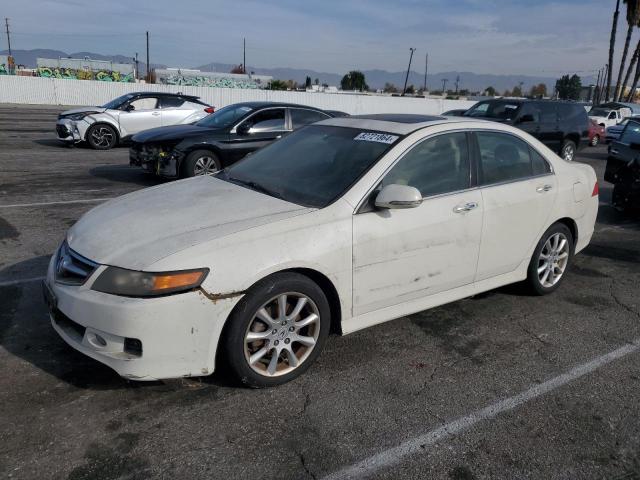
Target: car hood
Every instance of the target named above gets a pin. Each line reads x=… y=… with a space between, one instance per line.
x=136 y=230
x=598 y=119
x=172 y=132
x=82 y=110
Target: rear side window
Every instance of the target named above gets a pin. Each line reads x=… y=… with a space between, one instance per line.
x=503 y=158
x=538 y=164
x=301 y=117
x=570 y=112
x=172 y=102
x=631 y=133
x=436 y=166
x=548 y=112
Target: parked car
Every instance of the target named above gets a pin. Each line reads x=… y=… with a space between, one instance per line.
x=596 y=133
x=341 y=225
x=219 y=140
x=458 y=112
x=623 y=167
x=561 y=126
x=608 y=117
x=613 y=132
x=116 y=121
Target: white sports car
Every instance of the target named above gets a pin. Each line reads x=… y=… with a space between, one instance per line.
x=339 y=226
x=104 y=127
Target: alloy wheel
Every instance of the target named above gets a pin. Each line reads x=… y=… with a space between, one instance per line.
x=102 y=136
x=553 y=260
x=568 y=152
x=205 y=166
x=282 y=334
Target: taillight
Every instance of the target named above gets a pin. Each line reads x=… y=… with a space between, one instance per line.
x=209 y=109
x=596 y=190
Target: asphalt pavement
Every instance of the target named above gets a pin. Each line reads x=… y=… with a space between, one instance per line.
x=501 y=385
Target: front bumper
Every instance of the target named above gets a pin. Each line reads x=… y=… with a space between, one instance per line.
x=161 y=161
x=69 y=131
x=177 y=334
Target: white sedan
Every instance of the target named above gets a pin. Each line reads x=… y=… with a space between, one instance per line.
x=339 y=226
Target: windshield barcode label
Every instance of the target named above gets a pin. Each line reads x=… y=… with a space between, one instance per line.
x=376 y=137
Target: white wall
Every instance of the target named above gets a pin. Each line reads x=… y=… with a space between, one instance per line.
x=54 y=91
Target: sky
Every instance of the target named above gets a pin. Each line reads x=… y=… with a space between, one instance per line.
x=540 y=37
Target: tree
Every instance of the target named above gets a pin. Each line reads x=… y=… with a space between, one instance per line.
x=411 y=90
x=490 y=91
x=237 y=69
x=307 y=82
x=568 y=87
x=292 y=85
x=538 y=91
x=633 y=18
x=632 y=63
x=277 y=85
x=517 y=91
x=612 y=43
x=354 y=80
x=390 y=88
x=316 y=82
x=507 y=93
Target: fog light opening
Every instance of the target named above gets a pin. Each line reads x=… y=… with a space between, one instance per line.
x=133 y=346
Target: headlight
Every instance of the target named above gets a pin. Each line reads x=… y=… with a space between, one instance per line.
x=130 y=283
x=79 y=116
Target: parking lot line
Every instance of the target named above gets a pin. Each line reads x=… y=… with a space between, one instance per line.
x=10 y=283
x=392 y=456
x=61 y=202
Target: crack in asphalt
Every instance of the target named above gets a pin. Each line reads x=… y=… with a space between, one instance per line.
x=306 y=467
x=619 y=302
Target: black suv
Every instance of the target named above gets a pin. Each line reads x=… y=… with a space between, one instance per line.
x=219 y=139
x=561 y=126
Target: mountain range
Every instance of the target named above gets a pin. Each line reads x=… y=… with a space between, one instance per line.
x=375 y=78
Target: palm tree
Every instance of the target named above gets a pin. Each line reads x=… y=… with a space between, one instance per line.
x=633 y=18
x=612 y=43
x=632 y=64
x=636 y=77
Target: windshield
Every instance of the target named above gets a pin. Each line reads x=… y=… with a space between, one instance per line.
x=225 y=117
x=599 y=112
x=117 y=102
x=501 y=110
x=312 y=166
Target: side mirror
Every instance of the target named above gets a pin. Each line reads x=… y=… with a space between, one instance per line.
x=129 y=108
x=398 y=196
x=526 y=118
x=243 y=128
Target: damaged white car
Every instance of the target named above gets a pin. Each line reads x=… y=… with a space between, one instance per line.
x=104 y=127
x=338 y=226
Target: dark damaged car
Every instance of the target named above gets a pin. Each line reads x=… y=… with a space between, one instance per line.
x=219 y=139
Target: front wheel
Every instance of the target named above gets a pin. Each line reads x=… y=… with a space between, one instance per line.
x=550 y=259
x=277 y=330
x=568 y=150
x=200 y=162
x=102 y=137
x=595 y=141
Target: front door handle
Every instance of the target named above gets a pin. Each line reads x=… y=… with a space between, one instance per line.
x=614 y=151
x=465 y=207
x=544 y=188
x=155 y=114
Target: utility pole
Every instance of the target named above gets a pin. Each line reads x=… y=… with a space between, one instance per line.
x=244 y=55
x=148 y=78
x=457 y=83
x=426 y=69
x=406 y=79
x=596 y=93
x=137 y=75
x=444 y=85
x=6 y=22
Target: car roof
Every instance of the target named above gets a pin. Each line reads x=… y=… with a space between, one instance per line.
x=163 y=94
x=263 y=104
x=397 y=123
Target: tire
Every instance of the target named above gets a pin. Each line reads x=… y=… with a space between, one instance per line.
x=595 y=141
x=102 y=137
x=200 y=162
x=558 y=264
x=274 y=336
x=568 y=150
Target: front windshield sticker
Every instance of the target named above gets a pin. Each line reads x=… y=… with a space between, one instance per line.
x=376 y=137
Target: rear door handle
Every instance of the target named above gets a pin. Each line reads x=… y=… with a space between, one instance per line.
x=465 y=207
x=544 y=188
x=614 y=151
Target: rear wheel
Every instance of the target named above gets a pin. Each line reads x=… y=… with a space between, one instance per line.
x=595 y=140
x=102 y=137
x=277 y=330
x=550 y=259
x=200 y=162
x=568 y=150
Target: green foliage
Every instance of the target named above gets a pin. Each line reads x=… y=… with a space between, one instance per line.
x=277 y=85
x=411 y=90
x=568 y=87
x=517 y=91
x=354 y=80
x=390 y=88
x=507 y=93
x=307 y=82
x=538 y=91
x=490 y=91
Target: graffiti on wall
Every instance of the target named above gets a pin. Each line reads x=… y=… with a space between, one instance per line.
x=3 y=69
x=202 y=81
x=74 y=74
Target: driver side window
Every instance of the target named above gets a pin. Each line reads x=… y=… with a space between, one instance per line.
x=271 y=120
x=435 y=166
x=147 y=103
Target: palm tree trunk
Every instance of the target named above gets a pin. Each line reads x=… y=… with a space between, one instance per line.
x=617 y=92
x=632 y=63
x=636 y=77
x=612 y=43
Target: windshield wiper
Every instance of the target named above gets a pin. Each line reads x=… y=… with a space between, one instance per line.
x=254 y=186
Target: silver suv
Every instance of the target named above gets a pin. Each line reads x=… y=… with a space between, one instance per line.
x=104 y=127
